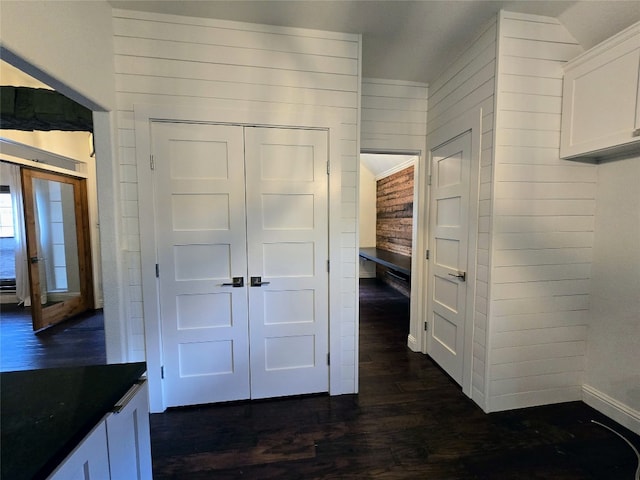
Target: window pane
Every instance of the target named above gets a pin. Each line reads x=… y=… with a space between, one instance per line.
x=6 y=215
x=7 y=243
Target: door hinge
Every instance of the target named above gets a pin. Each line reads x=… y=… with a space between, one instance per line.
x=157 y=271
x=328 y=266
x=152 y=162
x=162 y=372
x=328 y=168
x=328 y=359
x=426 y=326
x=427 y=255
x=429 y=180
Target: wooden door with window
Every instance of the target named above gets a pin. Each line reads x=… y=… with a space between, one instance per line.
x=58 y=246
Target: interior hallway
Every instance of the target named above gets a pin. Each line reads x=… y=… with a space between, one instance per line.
x=409 y=421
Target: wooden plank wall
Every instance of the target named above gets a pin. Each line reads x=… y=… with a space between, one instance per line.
x=394 y=222
x=394 y=212
x=468 y=85
x=542 y=226
x=174 y=60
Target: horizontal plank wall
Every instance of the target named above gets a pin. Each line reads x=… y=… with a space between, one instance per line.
x=542 y=225
x=468 y=85
x=394 y=115
x=173 y=60
x=394 y=205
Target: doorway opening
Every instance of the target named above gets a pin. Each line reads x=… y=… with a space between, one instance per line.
x=387 y=222
x=60 y=145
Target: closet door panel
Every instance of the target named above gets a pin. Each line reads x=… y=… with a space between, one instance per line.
x=201 y=232
x=287 y=232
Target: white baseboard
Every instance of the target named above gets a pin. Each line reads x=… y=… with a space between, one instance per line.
x=612 y=408
x=533 y=399
x=479 y=398
x=412 y=343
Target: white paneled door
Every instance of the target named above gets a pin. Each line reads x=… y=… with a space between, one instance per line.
x=242 y=233
x=201 y=241
x=448 y=240
x=287 y=227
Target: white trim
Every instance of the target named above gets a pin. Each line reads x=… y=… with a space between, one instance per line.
x=313 y=118
x=111 y=239
x=40 y=166
x=38 y=158
x=413 y=343
x=612 y=408
x=470 y=121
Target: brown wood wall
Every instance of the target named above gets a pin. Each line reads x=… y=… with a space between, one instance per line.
x=394 y=212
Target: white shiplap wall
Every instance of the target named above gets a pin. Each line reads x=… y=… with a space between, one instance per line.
x=173 y=60
x=542 y=225
x=467 y=86
x=394 y=115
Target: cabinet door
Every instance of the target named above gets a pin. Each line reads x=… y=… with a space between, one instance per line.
x=89 y=460
x=600 y=98
x=128 y=436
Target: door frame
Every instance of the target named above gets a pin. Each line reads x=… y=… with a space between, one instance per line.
x=468 y=122
x=312 y=118
x=413 y=337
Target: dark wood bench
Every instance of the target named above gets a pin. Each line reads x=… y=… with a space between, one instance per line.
x=393 y=261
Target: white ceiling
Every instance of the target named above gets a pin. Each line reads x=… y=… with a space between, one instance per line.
x=382 y=165
x=402 y=39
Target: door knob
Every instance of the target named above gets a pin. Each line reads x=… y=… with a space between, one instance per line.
x=257 y=282
x=236 y=282
x=461 y=275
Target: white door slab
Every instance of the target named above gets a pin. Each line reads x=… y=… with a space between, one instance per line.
x=448 y=240
x=287 y=231
x=201 y=238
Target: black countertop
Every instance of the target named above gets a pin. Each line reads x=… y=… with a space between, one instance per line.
x=45 y=413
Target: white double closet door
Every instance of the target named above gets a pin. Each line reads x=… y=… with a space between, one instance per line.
x=235 y=207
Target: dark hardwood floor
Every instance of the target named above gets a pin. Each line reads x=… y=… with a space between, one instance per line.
x=77 y=341
x=409 y=421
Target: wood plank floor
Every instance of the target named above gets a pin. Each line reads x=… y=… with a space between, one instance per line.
x=409 y=421
x=77 y=341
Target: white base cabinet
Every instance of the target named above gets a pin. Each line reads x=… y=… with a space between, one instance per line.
x=89 y=460
x=601 y=99
x=118 y=448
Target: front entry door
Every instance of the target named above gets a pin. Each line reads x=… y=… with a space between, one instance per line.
x=448 y=240
x=227 y=220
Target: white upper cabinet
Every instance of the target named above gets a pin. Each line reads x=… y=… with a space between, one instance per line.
x=601 y=99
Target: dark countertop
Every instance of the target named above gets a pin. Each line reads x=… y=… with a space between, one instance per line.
x=45 y=413
x=394 y=261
